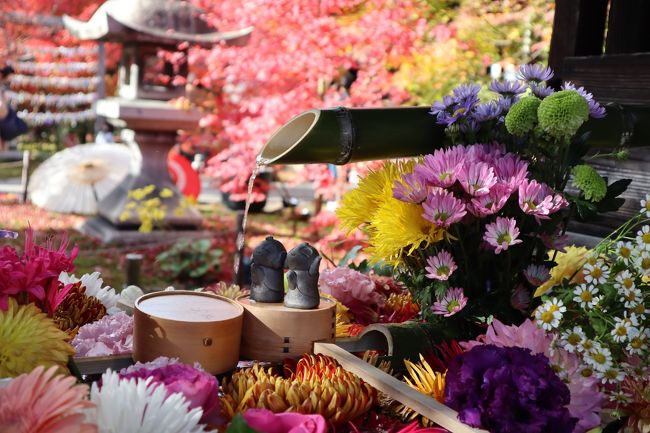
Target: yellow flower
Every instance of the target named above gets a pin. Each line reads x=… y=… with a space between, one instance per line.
x=28 y=338
x=568 y=266
x=166 y=193
x=397 y=229
x=343 y=317
x=428 y=382
x=360 y=204
x=125 y=215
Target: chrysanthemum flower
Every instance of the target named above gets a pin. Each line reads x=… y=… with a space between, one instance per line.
x=440 y=266
x=93 y=284
x=624 y=251
x=511 y=170
x=568 y=266
x=450 y=304
x=411 y=188
x=508 y=88
x=589 y=182
x=598 y=273
x=571 y=339
x=428 y=382
x=8 y=234
x=539 y=200
x=443 y=209
x=536 y=274
x=522 y=116
x=586 y=295
x=487 y=111
x=41 y=402
x=642 y=262
x=643 y=238
x=561 y=114
x=595 y=109
x=549 y=314
x=612 y=376
x=645 y=205
x=599 y=358
x=28 y=338
x=623 y=329
x=140 y=406
x=477 y=179
x=541 y=90
x=490 y=203
x=441 y=168
x=502 y=234
x=639 y=343
x=535 y=73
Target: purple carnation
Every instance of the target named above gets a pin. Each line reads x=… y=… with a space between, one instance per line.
x=595 y=109
x=535 y=73
x=508 y=390
x=508 y=88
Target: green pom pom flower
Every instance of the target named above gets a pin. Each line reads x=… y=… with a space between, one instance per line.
x=562 y=113
x=522 y=115
x=587 y=180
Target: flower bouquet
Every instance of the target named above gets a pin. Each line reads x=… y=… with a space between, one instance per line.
x=467 y=228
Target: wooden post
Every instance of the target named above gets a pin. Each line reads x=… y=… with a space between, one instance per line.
x=101 y=85
x=133 y=265
x=24 y=177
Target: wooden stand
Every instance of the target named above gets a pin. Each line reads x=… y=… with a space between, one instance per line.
x=273 y=332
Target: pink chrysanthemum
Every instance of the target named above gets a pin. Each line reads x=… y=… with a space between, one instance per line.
x=441 y=168
x=443 y=209
x=537 y=274
x=502 y=234
x=477 y=179
x=41 y=402
x=511 y=170
x=539 y=200
x=411 y=188
x=490 y=203
x=450 y=304
x=440 y=266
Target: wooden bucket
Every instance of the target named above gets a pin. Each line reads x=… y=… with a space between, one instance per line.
x=273 y=332
x=192 y=326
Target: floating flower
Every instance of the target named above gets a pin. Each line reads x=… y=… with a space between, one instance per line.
x=443 y=209
x=568 y=267
x=450 y=304
x=201 y=389
x=549 y=314
x=508 y=389
x=643 y=238
x=624 y=251
x=440 y=266
x=428 y=382
x=141 y=406
x=441 y=168
x=411 y=188
x=596 y=273
x=562 y=113
x=535 y=73
x=522 y=116
x=586 y=295
x=502 y=234
x=539 y=200
x=28 y=338
x=536 y=274
x=477 y=179
x=42 y=402
x=595 y=109
x=110 y=335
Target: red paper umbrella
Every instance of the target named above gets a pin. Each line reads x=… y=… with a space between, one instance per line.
x=183 y=175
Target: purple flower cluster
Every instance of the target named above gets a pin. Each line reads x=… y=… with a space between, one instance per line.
x=508 y=390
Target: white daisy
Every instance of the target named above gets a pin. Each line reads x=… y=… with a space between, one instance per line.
x=645 y=205
x=624 y=280
x=93 y=285
x=623 y=329
x=639 y=343
x=624 y=251
x=611 y=375
x=586 y=371
x=572 y=339
x=549 y=314
x=642 y=262
x=586 y=295
x=640 y=311
x=620 y=397
x=138 y=406
x=596 y=273
x=643 y=238
x=631 y=298
x=599 y=357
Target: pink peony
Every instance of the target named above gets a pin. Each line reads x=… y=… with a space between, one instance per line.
x=201 y=389
x=443 y=209
x=265 y=421
x=110 y=335
x=586 y=400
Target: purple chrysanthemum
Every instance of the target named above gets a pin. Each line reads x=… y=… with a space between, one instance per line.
x=541 y=90
x=596 y=110
x=508 y=88
x=467 y=92
x=486 y=111
x=508 y=390
x=535 y=73
x=443 y=106
x=411 y=188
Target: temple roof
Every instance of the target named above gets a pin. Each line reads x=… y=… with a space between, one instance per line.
x=162 y=22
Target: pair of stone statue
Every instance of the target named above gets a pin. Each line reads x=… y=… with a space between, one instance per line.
x=270 y=258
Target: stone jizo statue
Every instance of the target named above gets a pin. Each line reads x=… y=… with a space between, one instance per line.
x=303 y=262
x=267 y=271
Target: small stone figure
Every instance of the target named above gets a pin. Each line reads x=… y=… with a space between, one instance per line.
x=303 y=262
x=267 y=271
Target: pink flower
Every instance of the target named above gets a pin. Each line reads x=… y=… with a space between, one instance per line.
x=440 y=266
x=353 y=289
x=537 y=274
x=520 y=298
x=265 y=421
x=110 y=335
x=443 y=209
x=502 y=234
x=441 y=168
x=411 y=188
x=511 y=170
x=201 y=389
x=539 y=200
x=42 y=401
x=490 y=203
x=477 y=179
x=453 y=301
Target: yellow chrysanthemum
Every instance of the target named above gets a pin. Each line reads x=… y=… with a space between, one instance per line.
x=28 y=338
x=397 y=229
x=568 y=266
x=343 y=317
x=428 y=382
x=359 y=205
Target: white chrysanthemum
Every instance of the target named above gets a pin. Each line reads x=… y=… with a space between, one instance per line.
x=620 y=397
x=640 y=311
x=549 y=314
x=643 y=238
x=585 y=295
x=586 y=345
x=572 y=339
x=138 y=406
x=131 y=293
x=625 y=251
x=599 y=358
x=623 y=329
x=611 y=375
x=93 y=284
x=645 y=205
x=639 y=343
x=596 y=273
x=642 y=263
x=631 y=298
x=624 y=280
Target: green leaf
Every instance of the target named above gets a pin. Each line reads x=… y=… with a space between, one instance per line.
x=239 y=425
x=599 y=325
x=349 y=256
x=585 y=209
x=612 y=202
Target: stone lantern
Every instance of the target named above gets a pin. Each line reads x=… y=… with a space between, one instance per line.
x=143 y=27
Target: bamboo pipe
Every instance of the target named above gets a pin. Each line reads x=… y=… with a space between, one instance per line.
x=342 y=135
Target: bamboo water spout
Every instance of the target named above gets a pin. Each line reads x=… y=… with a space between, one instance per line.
x=342 y=135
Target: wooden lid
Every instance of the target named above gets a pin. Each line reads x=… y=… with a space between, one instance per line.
x=188 y=306
x=248 y=303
